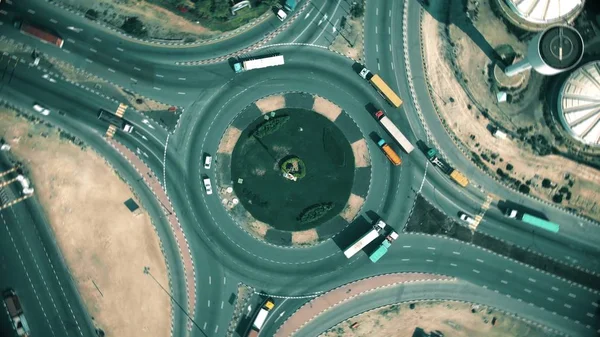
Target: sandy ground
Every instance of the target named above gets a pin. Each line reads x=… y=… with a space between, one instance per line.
x=326 y=108
x=453 y=319
x=271 y=103
x=354 y=33
x=470 y=126
x=229 y=140
x=352 y=208
x=307 y=237
x=159 y=22
x=361 y=153
x=110 y=251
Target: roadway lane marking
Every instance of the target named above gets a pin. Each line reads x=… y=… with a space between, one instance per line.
x=390 y=47
x=53 y=21
x=405 y=259
x=431 y=248
x=93 y=50
x=308 y=14
x=156 y=88
x=429 y=260
x=335 y=24
x=115 y=59
x=224 y=280
x=204 y=327
x=480 y=260
x=119 y=49
x=209 y=303
x=508 y=271
x=89 y=61
x=527 y=291
x=572 y=295
x=133 y=79
x=476 y=271
x=377 y=48
x=456 y=253
x=555 y=288
x=181 y=78
x=136 y=68
x=406 y=246
x=390 y=30
x=209 y=280
x=378 y=66
x=70 y=40
x=97 y=39
x=159 y=75
x=67 y=51
x=376 y=30
x=453 y=264
x=3 y=12
x=376 y=11
x=589 y=314
x=216 y=329
x=531 y=280
x=502 y=281
x=390 y=13
x=30 y=11
x=567 y=306
x=111 y=70
x=595 y=304
x=392 y=65
x=222 y=304
x=550 y=299
x=181 y=93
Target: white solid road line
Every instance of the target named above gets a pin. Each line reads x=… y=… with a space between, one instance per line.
x=311 y=22
x=332 y=15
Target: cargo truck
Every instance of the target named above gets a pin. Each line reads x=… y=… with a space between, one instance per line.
x=261 y=317
x=389 y=152
x=40 y=34
x=258 y=63
x=458 y=177
x=531 y=220
x=381 y=87
x=13 y=306
x=115 y=120
x=364 y=240
x=393 y=131
x=383 y=247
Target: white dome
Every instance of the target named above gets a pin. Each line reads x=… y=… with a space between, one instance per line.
x=545 y=11
x=579 y=103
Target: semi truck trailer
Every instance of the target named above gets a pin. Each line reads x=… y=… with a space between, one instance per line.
x=39 y=33
x=459 y=178
x=393 y=131
x=364 y=240
x=383 y=247
x=389 y=152
x=532 y=220
x=261 y=317
x=13 y=306
x=382 y=87
x=258 y=63
x=115 y=120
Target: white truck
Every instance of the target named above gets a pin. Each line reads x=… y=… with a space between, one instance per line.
x=258 y=63
x=364 y=240
x=13 y=306
x=261 y=317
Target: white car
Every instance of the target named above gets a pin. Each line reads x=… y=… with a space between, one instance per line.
x=207 y=186
x=207 y=162
x=467 y=218
x=281 y=15
x=41 y=109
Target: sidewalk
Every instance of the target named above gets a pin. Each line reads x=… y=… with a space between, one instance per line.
x=153 y=183
x=336 y=296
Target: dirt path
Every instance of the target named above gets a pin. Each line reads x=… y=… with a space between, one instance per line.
x=104 y=244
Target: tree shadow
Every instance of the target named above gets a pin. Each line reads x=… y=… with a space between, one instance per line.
x=454 y=12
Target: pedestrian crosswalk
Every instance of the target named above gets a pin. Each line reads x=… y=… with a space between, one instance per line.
x=484 y=207
x=111 y=131
x=121 y=110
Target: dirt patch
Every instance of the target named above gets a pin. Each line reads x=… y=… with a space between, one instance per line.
x=258 y=227
x=352 y=208
x=451 y=318
x=70 y=183
x=271 y=103
x=361 y=153
x=468 y=109
x=229 y=140
x=326 y=108
x=349 y=40
x=308 y=237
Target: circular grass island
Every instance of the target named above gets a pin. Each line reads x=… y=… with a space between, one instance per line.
x=293 y=169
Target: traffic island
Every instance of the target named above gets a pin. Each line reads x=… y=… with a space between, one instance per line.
x=293 y=169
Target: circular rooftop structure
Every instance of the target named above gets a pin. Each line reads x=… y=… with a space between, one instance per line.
x=561 y=47
x=546 y=11
x=579 y=103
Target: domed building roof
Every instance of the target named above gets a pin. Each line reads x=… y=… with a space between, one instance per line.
x=579 y=103
x=545 y=11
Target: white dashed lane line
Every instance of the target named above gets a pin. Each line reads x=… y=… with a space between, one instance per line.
x=504 y=282
x=204 y=327
x=159 y=75
x=181 y=93
x=136 y=68
x=156 y=88
x=209 y=280
x=53 y=21
x=376 y=30
x=119 y=49
x=456 y=253
x=181 y=78
x=531 y=280
x=508 y=271
x=111 y=70
x=89 y=61
x=476 y=271
x=406 y=246
x=480 y=260
x=550 y=299
x=209 y=303
x=30 y=11
x=70 y=40
x=527 y=291
x=405 y=259
x=97 y=39
x=572 y=295
x=224 y=280
x=429 y=260
x=589 y=314
x=567 y=306
x=595 y=304
x=222 y=304
x=93 y=50
x=133 y=79
x=115 y=59
x=431 y=248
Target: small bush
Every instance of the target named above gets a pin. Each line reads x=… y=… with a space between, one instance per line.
x=546 y=183
x=270 y=126
x=509 y=167
x=557 y=198
x=524 y=189
x=314 y=212
x=134 y=26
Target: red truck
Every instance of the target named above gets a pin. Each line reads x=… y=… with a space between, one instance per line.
x=40 y=34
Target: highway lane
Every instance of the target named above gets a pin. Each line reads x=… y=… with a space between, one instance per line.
x=32 y=265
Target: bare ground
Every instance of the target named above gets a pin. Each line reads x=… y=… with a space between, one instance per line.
x=361 y=153
x=70 y=183
x=271 y=103
x=470 y=126
x=454 y=319
x=353 y=32
x=303 y=238
x=160 y=23
x=229 y=140
x=352 y=208
x=326 y=108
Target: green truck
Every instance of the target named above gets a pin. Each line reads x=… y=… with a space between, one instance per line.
x=383 y=247
x=532 y=220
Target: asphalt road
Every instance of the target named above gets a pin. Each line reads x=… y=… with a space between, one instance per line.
x=224 y=254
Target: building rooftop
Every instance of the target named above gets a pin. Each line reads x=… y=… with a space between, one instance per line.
x=545 y=11
x=579 y=103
